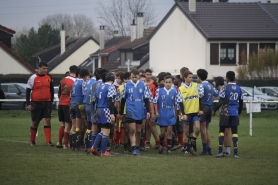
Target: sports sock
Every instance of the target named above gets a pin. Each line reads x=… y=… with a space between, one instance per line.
x=205 y=147
x=180 y=139
x=90 y=140
x=108 y=146
x=185 y=143
x=169 y=144
x=193 y=141
x=220 y=140
x=165 y=143
x=93 y=138
x=104 y=141
x=161 y=140
x=235 y=142
x=70 y=139
x=157 y=141
x=77 y=137
x=228 y=149
x=61 y=134
x=47 y=133
x=209 y=150
x=33 y=132
x=125 y=146
x=97 y=140
x=73 y=136
x=87 y=138
x=66 y=135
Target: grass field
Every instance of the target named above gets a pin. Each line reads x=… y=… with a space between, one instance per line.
x=22 y=164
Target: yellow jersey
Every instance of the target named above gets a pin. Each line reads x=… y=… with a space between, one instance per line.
x=190 y=98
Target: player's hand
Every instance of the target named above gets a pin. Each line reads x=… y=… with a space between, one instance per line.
x=213 y=113
x=29 y=107
x=200 y=113
x=157 y=115
x=112 y=117
x=95 y=117
x=148 y=115
x=185 y=117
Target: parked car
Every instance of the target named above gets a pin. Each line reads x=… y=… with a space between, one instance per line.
x=269 y=90
x=14 y=91
x=258 y=95
x=56 y=99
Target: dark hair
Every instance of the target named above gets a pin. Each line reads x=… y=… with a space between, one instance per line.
x=218 y=81
x=148 y=71
x=114 y=70
x=103 y=76
x=67 y=73
x=142 y=71
x=43 y=64
x=161 y=76
x=126 y=75
x=142 y=76
x=231 y=75
x=96 y=73
x=178 y=77
x=77 y=71
x=168 y=74
x=117 y=73
x=73 y=68
x=183 y=70
x=134 y=71
x=167 y=77
x=83 y=73
x=186 y=73
x=202 y=73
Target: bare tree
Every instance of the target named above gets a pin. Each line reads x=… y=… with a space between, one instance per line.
x=76 y=26
x=118 y=14
x=20 y=30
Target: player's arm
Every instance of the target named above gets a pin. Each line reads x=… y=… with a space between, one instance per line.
x=155 y=102
x=51 y=89
x=240 y=104
x=123 y=100
x=147 y=97
x=28 y=95
x=221 y=102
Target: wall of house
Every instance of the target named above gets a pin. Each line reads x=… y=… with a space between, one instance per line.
x=9 y=65
x=145 y=66
x=77 y=57
x=177 y=44
x=220 y=70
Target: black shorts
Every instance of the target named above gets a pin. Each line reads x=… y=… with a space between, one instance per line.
x=64 y=113
x=206 y=117
x=229 y=121
x=130 y=120
x=41 y=110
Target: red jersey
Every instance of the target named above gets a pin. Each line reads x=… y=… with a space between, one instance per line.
x=64 y=90
x=152 y=88
x=40 y=86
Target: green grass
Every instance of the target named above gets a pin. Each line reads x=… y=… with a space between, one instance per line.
x=22 y=164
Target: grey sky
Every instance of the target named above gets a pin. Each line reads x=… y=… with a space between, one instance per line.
x=18 y=13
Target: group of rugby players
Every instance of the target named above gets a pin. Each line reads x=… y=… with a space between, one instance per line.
x=114 y=108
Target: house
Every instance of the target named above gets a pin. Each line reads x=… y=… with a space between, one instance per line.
x=213 y=36
x=10 y=63
x=108 y=56
x=71 y=52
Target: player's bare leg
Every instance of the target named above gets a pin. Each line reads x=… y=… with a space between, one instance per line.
x=227 y=141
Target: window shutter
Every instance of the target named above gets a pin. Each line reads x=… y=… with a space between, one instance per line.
x=253 y=48
x=214 y=54
x=242 y=53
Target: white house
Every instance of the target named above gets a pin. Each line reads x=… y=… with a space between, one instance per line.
x=10 y=63
x=212 y=36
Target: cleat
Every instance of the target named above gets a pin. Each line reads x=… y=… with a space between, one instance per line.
x=49 y=144
x=108 y=154
x=136 y=152
x=209 y=153
x=236 y=156
x=156 y=146
x=65 y=147
x=33 y=143
x=220 y=155
x=126 y=151
x=160 y=150
x=186 y=153
x=58 y=145
x=168 y=152
x=175 y=147
x=226 y=154
x=192 y=151
x=94 y=151
x=204 y=153
x=142 y=148
x=147 y=146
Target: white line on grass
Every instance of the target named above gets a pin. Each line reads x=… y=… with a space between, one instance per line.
x=13 y=141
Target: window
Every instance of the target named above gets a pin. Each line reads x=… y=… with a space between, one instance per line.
x=228 y=54
x=242 y=47
x=267 y=46
x=96 y=63
x=270 y=92
x=253 y=48
x=12 y=89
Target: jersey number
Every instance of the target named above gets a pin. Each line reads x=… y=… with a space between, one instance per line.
x=233 y=96
x=99 y=96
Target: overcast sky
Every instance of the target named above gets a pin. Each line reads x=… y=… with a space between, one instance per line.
x=18 y=13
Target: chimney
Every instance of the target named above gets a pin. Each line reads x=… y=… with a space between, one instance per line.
x=101 y=37
x=63 y=40
x=116 y=33
x=215 y=1
x=192 y=6
x=140 y=25
x=133 y=31
x=274 y=1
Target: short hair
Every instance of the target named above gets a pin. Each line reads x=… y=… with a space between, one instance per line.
x=142 y=71
x=202 y=73
x=101 y=72
x=218 y=81
x=186 y=73
x=134 y=71
x=168 y=77
x=83 y=73
x=114 y=70
x=178 y=77
x=124 y=76
x=148 y=71
x=142 y=76
x=77 y=71
x=43 y=64
x=231 y=75
x=73 y=68
x=67 y=73
x=183 y=70
x=96 y=73
x=117 y=73
x=103 y=76
x=168 y=74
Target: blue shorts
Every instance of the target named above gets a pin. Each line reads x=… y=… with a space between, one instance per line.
x=229 y=121
x=191 y=118
x=206 y=117
x=103 y=116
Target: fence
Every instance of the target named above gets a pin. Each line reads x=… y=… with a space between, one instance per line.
x=251 y=106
